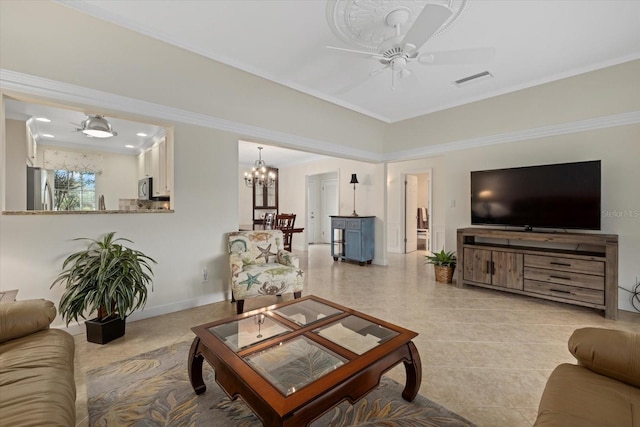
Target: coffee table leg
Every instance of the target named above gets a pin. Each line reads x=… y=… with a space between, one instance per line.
x=195 y=368
x=413 y=369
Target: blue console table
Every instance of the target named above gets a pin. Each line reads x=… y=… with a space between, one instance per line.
x=352 y=238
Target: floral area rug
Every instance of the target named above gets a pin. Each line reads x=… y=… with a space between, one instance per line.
x=153 y=389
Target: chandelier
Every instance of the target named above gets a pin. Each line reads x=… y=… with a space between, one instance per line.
x=259 y=174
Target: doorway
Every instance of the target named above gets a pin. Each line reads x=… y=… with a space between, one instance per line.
x=417 y=212
x=322 y=202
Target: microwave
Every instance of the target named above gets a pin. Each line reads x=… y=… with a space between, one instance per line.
x=145 y=189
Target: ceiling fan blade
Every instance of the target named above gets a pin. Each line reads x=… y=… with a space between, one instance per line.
x=351 y=86
x=455 y=57
x=361 y=52
x=426 y=24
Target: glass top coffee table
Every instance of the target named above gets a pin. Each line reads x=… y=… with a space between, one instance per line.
x=292 y=362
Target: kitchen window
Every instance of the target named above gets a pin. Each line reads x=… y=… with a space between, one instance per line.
x=74 y=191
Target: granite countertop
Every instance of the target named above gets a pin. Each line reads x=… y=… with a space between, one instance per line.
x=136 y=211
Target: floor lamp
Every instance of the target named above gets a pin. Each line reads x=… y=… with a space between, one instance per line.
x=354 y=181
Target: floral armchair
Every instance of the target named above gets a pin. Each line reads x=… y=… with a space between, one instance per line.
x=260 y=266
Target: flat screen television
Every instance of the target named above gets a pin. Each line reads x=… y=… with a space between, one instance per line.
x=565 y=195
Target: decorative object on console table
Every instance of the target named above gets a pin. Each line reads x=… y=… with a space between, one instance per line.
x=354 y=181
x=353 y=238
x=106 y=277
x=444 y=264
x=548 y=265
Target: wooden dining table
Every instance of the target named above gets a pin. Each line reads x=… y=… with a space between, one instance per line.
x=249 y=227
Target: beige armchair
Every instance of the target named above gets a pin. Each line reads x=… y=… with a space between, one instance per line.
x=260 y=266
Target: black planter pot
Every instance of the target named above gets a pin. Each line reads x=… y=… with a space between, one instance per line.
x=102 y=332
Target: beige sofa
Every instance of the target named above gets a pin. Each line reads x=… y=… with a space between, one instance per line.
x=602 y=390
x=37 y=386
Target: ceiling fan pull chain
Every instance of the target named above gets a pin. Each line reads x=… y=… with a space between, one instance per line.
x=393 y=77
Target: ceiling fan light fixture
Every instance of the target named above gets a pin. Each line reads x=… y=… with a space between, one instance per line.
x=97 y=127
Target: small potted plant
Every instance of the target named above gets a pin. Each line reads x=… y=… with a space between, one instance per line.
x=107 y=278
x=444 y=264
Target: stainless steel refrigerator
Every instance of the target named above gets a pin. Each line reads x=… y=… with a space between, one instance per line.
x=39 y=191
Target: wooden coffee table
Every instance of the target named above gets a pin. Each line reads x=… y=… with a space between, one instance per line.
x=294 y=361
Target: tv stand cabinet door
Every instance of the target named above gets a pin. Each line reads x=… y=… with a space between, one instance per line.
x=477 y=265
x=508 y=269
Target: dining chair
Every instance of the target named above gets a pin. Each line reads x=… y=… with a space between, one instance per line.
x=269 y=221
x=285 y=223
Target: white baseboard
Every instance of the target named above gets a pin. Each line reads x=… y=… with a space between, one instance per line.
x=79 y=329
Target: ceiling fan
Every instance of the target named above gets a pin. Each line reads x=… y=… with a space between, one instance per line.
x=397 y=52
x=95 y=126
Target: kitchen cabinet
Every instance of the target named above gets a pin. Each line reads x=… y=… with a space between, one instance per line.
x=153 y=162
x=353 y=238
x=547 y=265
x=159 y=168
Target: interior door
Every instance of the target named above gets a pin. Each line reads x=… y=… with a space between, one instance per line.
x=330 y=203
x=411 y=213
x=312 y=209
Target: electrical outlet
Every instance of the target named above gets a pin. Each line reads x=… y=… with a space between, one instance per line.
x=205 y=275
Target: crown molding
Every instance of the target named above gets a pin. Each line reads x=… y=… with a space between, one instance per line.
x=25 y=84
x=603 y=122
x=55 y=91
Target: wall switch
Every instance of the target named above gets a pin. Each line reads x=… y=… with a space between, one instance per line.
x=453 y=203
x=205 y=275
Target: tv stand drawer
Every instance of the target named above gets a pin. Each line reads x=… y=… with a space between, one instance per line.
x=568 y=292
x=565 y=264
x=564 y=278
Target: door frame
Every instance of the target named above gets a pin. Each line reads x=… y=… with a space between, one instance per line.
x=319 y=200
x=403 y=202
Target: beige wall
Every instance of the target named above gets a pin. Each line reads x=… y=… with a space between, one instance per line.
x=245 y=199
x=605 y=92
x=122 y=62
x=618 y=149
x=183 y=242
x=16 y=164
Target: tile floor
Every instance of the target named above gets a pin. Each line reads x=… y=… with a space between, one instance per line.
x=486 y=355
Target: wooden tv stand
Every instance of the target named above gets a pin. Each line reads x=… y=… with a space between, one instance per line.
x=574 y=268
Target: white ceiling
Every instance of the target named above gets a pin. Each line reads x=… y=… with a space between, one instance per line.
x=535 y=41
x=273 y=156
x=61 y=131
x=64 y=122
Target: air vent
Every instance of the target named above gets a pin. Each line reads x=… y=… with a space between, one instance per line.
x=474 y=78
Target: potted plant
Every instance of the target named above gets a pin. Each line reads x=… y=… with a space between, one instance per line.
x=106 y=277
x=444 y=264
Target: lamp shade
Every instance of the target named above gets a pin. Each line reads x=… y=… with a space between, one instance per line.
x=354 y=179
